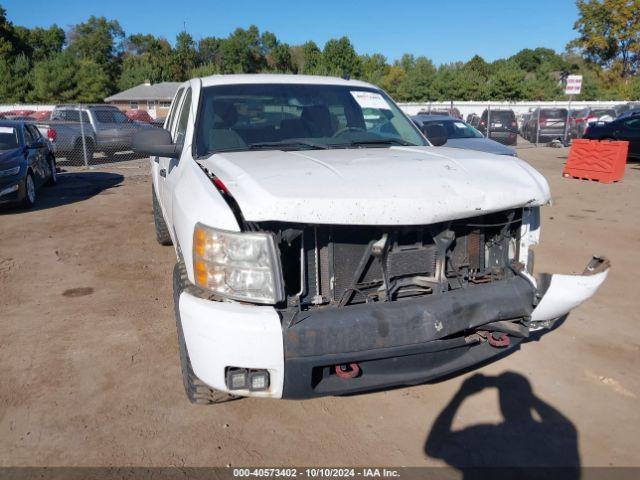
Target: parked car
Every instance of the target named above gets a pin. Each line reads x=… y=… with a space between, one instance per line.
x=503 y=128
x=473 y=120
x=18 y=113
x=522 y=122
x=104 y=127
x=626 y=128
x=546 y=125
x=626 y=107
x=459 y=134
x=139 y=116
x=159 y=121
x=26 y=163
x=41 y=115
x=451 y=112
x=580 y=119
x=629 y=113
x=317 y=255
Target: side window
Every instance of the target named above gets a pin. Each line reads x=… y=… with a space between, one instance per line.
x=174 y=108
x=181 y=128
x=119 y=117
x=35 y=133
x=28 y=136
x=633 y=124
x=104 y=116
x=73 y=116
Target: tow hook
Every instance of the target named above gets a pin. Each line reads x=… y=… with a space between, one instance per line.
x=346 y=371
x=498 y=339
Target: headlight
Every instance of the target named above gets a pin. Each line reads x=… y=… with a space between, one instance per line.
x=239 y=265
x=10 y=172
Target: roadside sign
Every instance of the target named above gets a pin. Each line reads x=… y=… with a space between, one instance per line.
x=574 y=85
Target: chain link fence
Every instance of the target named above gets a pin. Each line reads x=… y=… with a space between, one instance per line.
x=523 y=124
x=85 y=134
x=94 y=134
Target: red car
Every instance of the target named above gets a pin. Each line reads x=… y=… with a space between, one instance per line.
x=18 y=113
x=139 y=116
x=41 y=115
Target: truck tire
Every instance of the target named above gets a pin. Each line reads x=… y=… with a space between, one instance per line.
x=78 y=150
x=197 y=391
x=162 y=231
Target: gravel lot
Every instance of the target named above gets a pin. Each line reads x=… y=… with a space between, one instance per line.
x=90 y=372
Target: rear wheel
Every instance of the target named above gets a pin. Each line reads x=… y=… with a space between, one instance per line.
x=197 y=391
x=162 y=231
x=79 y=150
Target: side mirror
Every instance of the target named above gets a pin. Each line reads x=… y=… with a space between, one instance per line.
x=155 y=142
x=436 y=134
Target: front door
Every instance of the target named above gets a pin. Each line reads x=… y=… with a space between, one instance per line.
x=168 y=176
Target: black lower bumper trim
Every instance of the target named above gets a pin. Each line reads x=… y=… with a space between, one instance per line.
x=398 y=343
x=315 y=377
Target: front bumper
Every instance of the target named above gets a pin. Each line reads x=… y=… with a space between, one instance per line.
x=396 y=343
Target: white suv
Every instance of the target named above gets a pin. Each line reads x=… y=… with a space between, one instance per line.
x=320 y=252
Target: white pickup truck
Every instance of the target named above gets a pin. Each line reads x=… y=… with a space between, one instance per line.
x=325 y=247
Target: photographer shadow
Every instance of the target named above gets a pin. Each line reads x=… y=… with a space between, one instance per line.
x=534 y=440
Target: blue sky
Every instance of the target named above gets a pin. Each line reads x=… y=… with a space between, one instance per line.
x=444 y=31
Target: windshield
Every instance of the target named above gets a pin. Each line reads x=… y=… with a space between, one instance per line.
x=8 y=138
x=456 y=129
x=553 y=113
x=297 y=117
x=603 y=113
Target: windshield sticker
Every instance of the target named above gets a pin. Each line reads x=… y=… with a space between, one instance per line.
x=460 y=125
x=6 y=130
x=370 y=100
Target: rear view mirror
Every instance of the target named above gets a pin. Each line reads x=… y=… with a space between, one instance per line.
x=155 y=142
x=436 y=134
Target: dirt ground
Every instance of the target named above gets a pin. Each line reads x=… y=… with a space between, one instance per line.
x=89 y=358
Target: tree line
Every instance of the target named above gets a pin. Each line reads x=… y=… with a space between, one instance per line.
x=95 y=59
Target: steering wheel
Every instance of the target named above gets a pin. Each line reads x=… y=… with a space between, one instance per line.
x=347 y=129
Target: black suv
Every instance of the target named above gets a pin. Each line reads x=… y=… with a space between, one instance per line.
x=503 y=128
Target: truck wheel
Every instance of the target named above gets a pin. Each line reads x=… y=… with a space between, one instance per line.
x=197 y=391
x=78 y=151
x=162 y=231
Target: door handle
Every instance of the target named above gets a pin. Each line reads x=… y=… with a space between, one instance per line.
x=163 y=172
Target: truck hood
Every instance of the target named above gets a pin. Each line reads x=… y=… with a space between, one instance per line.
x=481 y=144
x=376 y=186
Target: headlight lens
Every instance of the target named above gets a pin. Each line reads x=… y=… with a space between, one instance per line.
x=239 y=265
x=10 y=172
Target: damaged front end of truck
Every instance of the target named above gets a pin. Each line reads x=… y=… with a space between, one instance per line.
x=387 y=277
x=372 y=307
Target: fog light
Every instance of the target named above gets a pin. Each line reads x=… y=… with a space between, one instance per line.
x=259 y=380
x=237 y=379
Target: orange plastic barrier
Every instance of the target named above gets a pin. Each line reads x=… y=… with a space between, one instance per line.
x=601 y=160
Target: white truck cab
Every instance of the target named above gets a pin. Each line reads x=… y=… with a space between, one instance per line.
x=325 y=247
